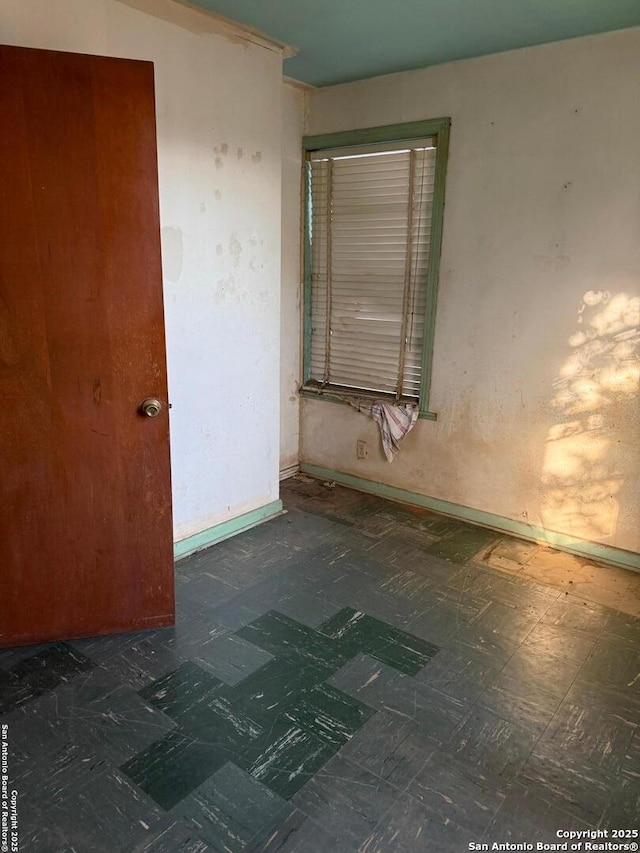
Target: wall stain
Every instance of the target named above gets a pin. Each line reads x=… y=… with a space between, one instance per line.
x=224 y=287
x=235 y=249
x=257 y=157
x=240 y=153
x=218 y=194
x=557 y=262
x=219 y=162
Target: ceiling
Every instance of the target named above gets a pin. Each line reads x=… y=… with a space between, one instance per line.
x=341 y=40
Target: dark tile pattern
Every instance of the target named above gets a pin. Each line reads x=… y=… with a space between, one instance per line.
x=466 y=797
x=38 y=674
x=411 y=827
x=392 y=748
x=227 y=810
x=299 y=706
x=298 y=833
x=282 y=722
x=346 y=795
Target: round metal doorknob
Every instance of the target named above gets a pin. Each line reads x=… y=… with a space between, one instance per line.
x=151 y=407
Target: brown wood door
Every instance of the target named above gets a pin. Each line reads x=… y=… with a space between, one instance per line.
x=85 y=520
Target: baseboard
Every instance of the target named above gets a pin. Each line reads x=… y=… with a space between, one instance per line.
x=291 y=471
x=581 y=547
x=226 y=529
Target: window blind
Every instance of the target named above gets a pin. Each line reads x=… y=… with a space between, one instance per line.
x=370 y=213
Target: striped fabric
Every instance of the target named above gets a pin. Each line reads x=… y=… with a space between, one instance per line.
x=394 y=419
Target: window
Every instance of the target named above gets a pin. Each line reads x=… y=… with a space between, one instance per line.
x=374 y=203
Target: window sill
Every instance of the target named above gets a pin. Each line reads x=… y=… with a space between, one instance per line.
x=308 y=394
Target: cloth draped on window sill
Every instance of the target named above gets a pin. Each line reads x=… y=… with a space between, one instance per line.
x=394 y=419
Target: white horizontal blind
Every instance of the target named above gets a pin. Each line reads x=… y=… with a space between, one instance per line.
x=370 y=227
x=319 y=228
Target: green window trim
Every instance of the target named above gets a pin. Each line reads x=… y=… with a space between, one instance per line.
x=438 y=128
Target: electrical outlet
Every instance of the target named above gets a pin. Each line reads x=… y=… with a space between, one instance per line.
x=362 y=450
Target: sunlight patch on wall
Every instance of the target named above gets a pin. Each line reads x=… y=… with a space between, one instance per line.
x=594 y=394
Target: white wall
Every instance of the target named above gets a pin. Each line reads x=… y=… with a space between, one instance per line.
x=293 y=106
x=218 y=116
x=536 y=363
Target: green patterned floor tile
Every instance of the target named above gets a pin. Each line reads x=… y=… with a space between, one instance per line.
x=228 y=809
x=344 y=628
x=182 y=690
x=289 y=758
x=222 y=723
x=283 y=721
x=404 y=652
x=284 y=637
x=276 y=687
x=356 y=632
x=330 y=715
x=172 y=767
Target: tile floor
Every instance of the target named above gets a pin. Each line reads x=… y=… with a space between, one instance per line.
x=352 y=676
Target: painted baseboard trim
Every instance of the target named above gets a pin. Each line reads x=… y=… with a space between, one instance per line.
x=580 y=547
x=291 y=471
x=226 y=529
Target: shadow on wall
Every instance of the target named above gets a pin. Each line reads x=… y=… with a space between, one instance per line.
x=595 y=402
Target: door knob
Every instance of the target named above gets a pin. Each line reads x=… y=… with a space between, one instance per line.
x=151 y=407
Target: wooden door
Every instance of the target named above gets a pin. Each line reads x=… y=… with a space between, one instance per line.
x=85 y=516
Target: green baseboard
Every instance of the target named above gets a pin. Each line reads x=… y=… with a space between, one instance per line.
x=580 y=547
x=226 y=529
